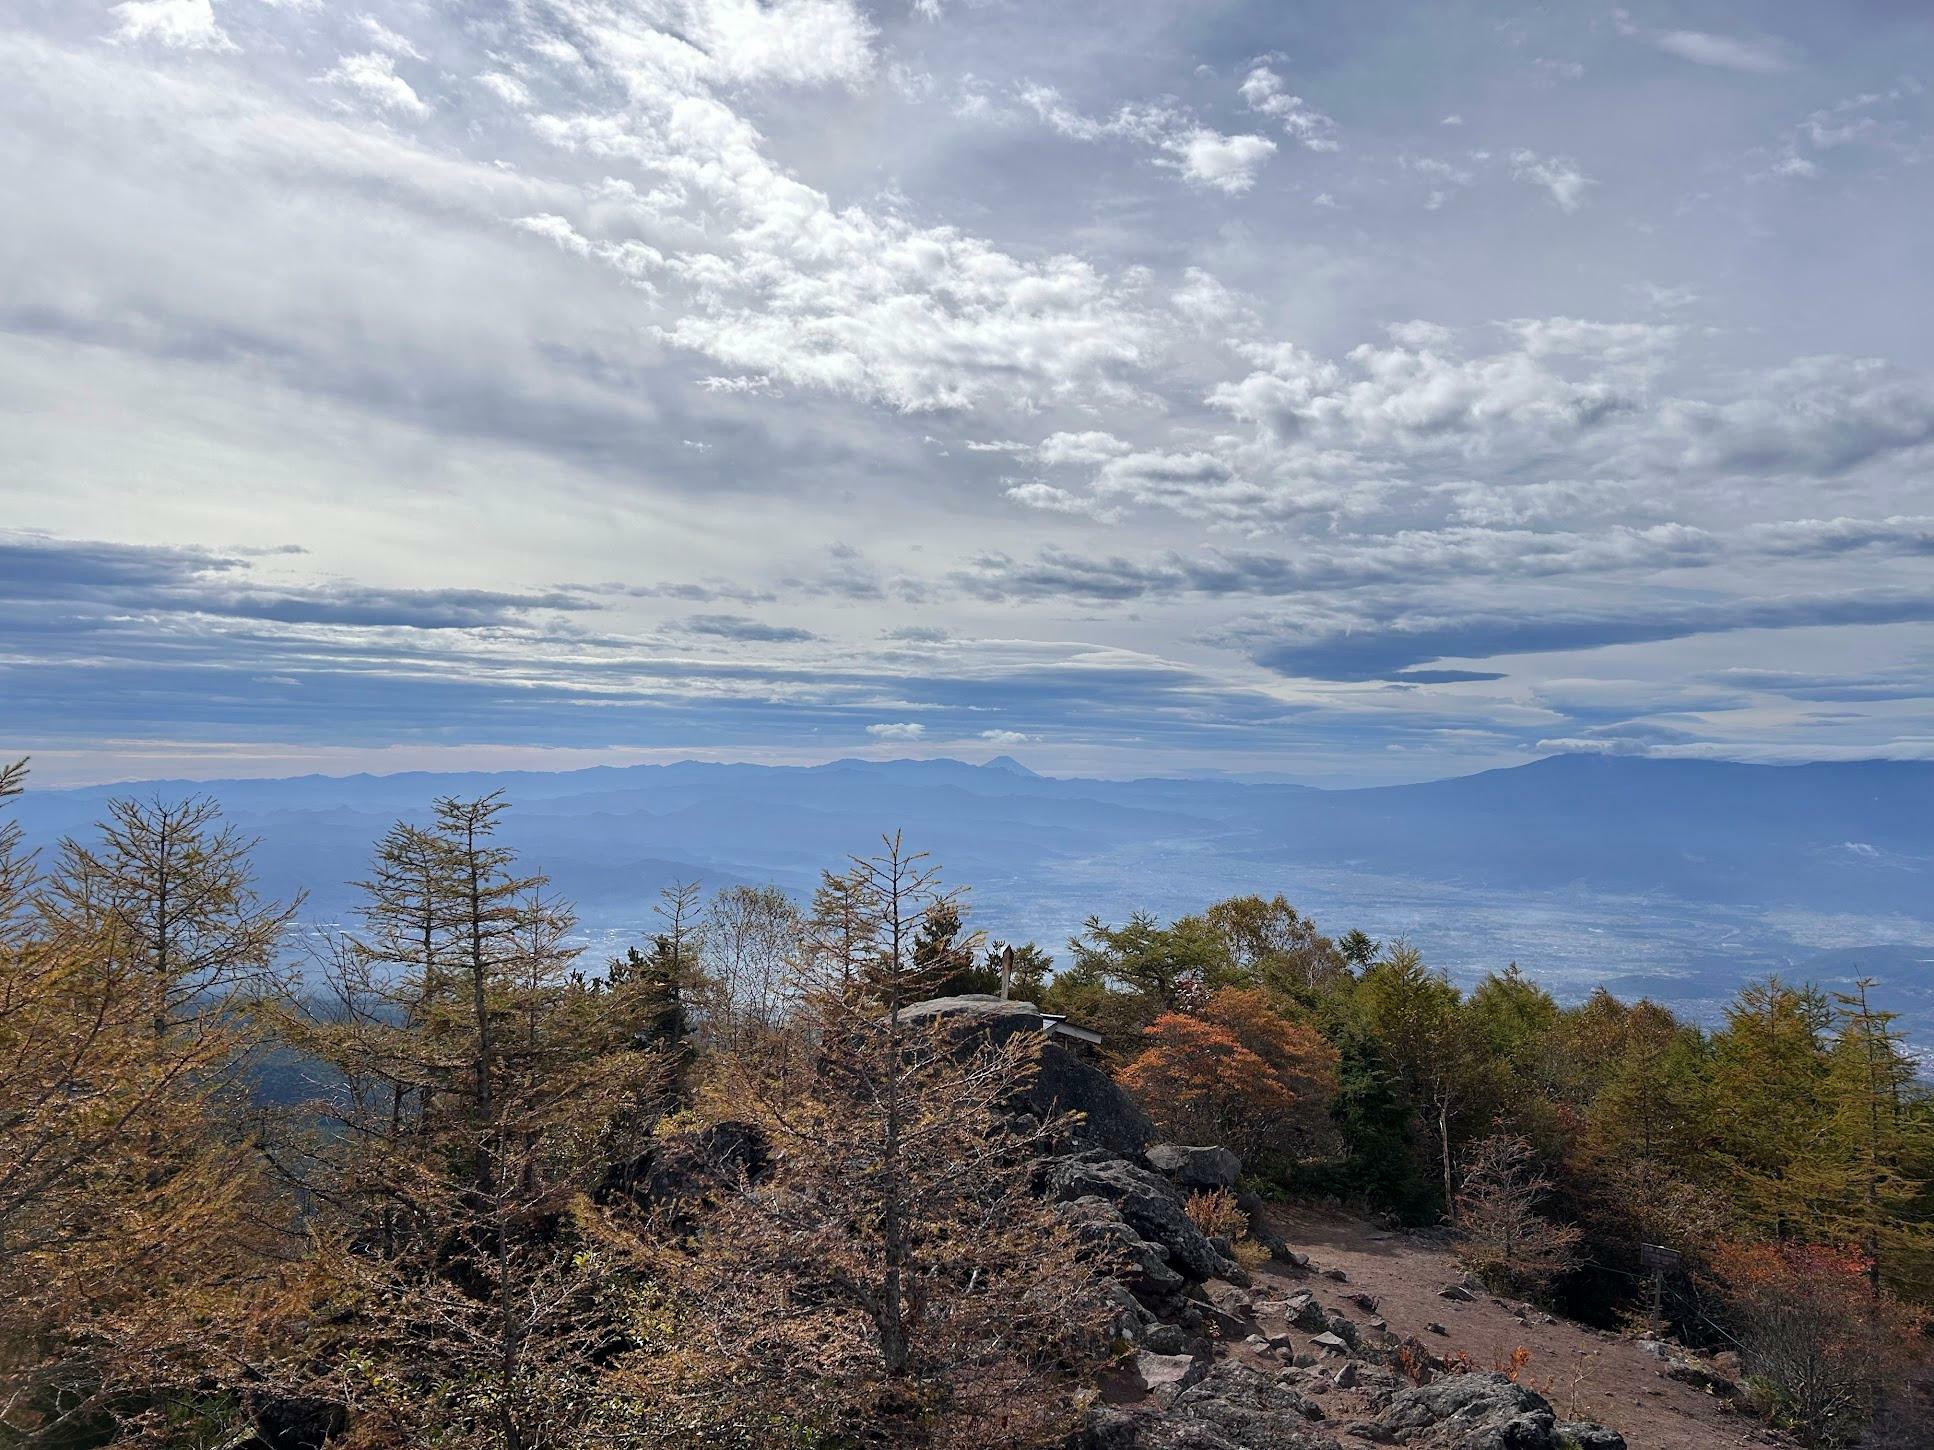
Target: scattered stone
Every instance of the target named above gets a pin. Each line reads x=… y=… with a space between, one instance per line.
x=1457 y=1292
x=1435 y=1328
x=1346 y=1375
x=1167 y=1374
x=1366 y=1302
x=1165 y=1339
x=1652 y=1347
x=1233 y=1407
x=1231 y=1299
x=1588 y=1436
x=1336 y=1274
x=1330 y=1343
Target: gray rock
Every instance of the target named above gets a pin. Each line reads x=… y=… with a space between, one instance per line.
x=1435 y=1328
x=1457 y=1292
x=1346 y=1375
x=1149 y=1206
x=1330 y=1343
x=1336 y=1274
x=1229 y=1298
x=1471 y=1411
x=1097 y=1221
x=1167 y=1374
x=1165 y=1339
x=1234 y=1407
x=1582 y=1435
x=1062 y=1082
x=1195 y=1167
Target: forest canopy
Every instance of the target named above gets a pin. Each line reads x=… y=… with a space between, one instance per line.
x=430 y=1176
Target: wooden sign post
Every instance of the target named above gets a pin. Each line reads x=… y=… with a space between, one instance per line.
x=1659 y=1259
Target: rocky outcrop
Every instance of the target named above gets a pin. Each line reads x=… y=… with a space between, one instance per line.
x=1472 y=1411
x=1195 y=1169
x=1147 y=1204
x=1230 y=1407
x=1064 y=1082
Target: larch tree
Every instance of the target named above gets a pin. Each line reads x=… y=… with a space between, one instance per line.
x=1271 y=944
x=142 y=1254
x=1769 y=1076
x=1880 y=1145
x=1502 y=1235
x=890 y=1268
x=464 y=1282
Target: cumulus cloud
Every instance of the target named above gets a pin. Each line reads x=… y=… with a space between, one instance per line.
x=179 y=24
x=373 y=76
x=383 y=38
x=896 y=730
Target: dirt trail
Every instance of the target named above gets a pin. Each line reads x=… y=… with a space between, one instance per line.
x=1584 y=1373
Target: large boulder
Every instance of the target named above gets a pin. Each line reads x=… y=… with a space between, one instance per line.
x=1063 y=1081
x=1146 y=1264
x=1199 y=1169
x=1234 y=1407
x=1470 y=1411
x=1148 y=1204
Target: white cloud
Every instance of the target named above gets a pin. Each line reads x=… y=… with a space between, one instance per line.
x=1262 y=89
x=383 y=38
x=179 y=24
x=1049 y=499
x=1759 y=57
x=792 y=42
x=508 y=89
x=1208 y=158
x=1005 y=737
x=896 y=730
x=1558 y=175
x=1203 y=299
x=373 y=76
x=1204 y=156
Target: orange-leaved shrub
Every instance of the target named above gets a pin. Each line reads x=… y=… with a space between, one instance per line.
x=1239 y=1073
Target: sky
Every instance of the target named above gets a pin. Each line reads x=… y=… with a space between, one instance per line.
x=1346 y=393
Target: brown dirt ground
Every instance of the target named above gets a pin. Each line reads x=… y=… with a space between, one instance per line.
x=1586 y=1374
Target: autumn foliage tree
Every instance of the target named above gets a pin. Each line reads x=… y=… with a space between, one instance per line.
x=1238 y=1073
x=142 y=1254
x=1817 y=1344
x=890 y=1275
x=1503 y=1235
x=477 y=1094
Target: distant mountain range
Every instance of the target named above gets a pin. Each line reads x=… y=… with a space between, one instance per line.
x=1669 y=877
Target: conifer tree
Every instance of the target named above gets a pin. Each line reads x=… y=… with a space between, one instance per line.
x=140 y=1249
x=1880 y=1151
x=892 y=1266
x=460 y=1260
